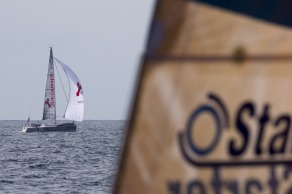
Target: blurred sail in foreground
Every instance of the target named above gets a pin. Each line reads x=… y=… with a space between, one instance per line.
x=213 y=109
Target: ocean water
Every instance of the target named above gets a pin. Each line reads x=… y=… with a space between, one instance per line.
x=85 y=161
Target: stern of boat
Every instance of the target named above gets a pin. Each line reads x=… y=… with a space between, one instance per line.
x=24 y=129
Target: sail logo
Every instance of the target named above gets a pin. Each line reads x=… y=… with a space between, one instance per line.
x=52 y=90
x=47 y=102
x=218 y=114
x=270 y=146
x=79 y=90
x=256 y=142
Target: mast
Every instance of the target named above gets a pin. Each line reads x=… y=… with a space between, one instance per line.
x=50 y=99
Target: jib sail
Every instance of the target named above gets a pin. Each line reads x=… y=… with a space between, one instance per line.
x=75 y=108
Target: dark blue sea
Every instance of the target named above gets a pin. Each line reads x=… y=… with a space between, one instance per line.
x=85 y=161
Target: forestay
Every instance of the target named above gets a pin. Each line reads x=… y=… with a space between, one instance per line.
x=75 y=108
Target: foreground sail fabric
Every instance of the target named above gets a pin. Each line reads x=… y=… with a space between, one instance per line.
x=213 y=108
x=277 y=11
x=75 y=108
x=50 y=102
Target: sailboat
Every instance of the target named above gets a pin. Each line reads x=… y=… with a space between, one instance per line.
x=75 y=106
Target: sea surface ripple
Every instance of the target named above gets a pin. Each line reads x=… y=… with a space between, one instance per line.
x=58 y=162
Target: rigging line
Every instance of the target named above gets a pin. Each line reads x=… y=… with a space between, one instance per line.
x=61 y=81
x=34 y=96
x=69 y=86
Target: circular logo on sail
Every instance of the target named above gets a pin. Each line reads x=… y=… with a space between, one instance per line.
x=217 y=113
x=256 y=133
x=257 y=140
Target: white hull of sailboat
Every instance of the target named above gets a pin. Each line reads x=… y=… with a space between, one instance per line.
x=65 y=127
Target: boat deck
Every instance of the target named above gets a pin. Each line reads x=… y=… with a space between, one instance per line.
x=64 y=127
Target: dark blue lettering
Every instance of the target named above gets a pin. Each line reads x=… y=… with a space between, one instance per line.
x=263 y=120
x=196 y=186
x=288 y=171
x=282 y=136
x=273 y=182
x=174 y=187
x=216 y=182
x=242 y=128
x=232 y=186
x=252 y=185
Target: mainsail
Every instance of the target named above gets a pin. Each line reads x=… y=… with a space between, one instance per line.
x=75 y=106
x=49 y=102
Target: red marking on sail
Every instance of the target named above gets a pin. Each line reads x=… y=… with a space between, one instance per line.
x=79 y=89
x=48 y=103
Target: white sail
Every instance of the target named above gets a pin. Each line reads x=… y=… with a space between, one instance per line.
x=50 y=102
x=75 y=106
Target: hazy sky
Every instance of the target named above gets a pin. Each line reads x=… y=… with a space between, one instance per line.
x=102 y=41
